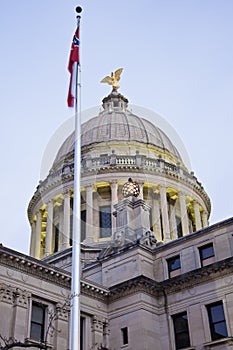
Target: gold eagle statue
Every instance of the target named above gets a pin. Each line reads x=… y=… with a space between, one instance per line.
x=113 y=79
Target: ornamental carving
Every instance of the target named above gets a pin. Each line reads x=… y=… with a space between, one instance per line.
x=97 y=324
x=6 y=294
x=62 y=311
x=21 y=298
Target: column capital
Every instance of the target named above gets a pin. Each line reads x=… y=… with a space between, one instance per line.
x=49 y=202
x=39 y=212
x=67 y=192
x=89 y=188
x=113 y=182
x=162 y=186
x=181 y=193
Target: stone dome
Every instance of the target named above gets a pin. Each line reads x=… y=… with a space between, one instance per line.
x=116 y=145
x=117 y=124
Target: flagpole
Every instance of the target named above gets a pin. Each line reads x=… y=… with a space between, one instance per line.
x=75 y=334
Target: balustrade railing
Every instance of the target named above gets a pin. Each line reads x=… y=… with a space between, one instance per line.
x=115 y=160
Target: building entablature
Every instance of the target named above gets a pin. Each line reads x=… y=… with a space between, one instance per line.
x=34 y=267
x=38 y=269
x=143 y=284
x=193 y=278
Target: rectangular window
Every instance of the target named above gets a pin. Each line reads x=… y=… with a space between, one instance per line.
x=151 y=221
x=37 y=321
x=71 y=229
x=105 y=222
x=181 y=330
x=206 y=254
x=124 y=334
x=83 y=225
x=161 y=225
x=178 y=227
x=218 y=327
x=174 y=266
x=56 y=238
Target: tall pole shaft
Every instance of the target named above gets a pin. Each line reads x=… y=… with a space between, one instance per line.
x=76 y=252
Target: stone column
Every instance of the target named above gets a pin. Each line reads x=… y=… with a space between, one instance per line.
x=89 y=213
x=7 y=302
x=97 y=332
x=114 y=200
x=66 y=221
x=106 y=333
x=49 y=228
x=38 y=234
x=164 y=209
x=184 y=214
x=173 y=227
x=205 y=219
x=20 y=313
x=155 y=212
x=61 y=324
x=197 y=215
x=141 y=190
x=33 y=237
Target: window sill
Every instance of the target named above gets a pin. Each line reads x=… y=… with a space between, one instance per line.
x=36 y=342
x=211 y=344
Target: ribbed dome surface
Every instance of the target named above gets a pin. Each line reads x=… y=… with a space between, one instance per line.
x=117 y=124
x=119 y=127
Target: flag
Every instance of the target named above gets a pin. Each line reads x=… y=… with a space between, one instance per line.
x=73 y=66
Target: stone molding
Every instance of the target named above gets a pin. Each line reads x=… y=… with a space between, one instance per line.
x=33 y=267
x=176 y=284
x=36 y=268
x=94 y=290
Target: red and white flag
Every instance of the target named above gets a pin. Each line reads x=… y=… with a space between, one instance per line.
x=73 y=67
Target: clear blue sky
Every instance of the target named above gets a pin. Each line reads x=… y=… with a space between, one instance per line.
x=178 y=61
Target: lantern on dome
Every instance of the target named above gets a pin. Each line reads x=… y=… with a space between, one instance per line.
x=130 y=188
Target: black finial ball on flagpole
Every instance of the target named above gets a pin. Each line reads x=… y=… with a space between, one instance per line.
x=78 y=9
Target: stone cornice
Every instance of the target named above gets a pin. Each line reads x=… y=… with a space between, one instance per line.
x=34 y=267
x=38 y=269
x=41 y=270
x=135 y=285
x=185 y=281
x=94 y=290
x=193 y=278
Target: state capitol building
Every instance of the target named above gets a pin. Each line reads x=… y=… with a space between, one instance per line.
x=155 y=275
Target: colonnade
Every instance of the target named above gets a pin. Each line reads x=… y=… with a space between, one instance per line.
x=165 y=214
